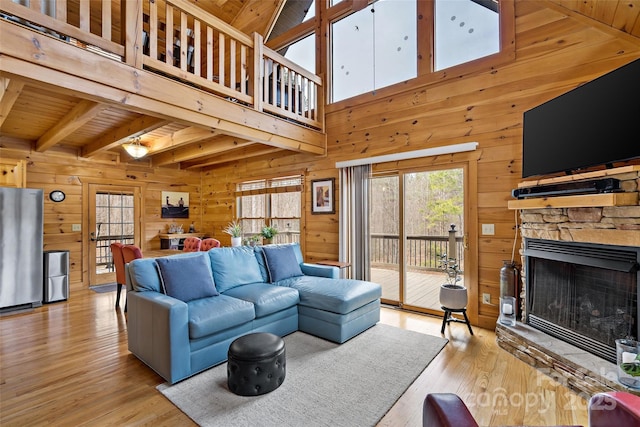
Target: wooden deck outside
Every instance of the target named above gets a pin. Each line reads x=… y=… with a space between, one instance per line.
x=422 y=287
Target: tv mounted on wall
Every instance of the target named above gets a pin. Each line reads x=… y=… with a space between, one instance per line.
x=594 y=124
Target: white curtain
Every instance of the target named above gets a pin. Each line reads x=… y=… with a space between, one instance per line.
x=354 y=219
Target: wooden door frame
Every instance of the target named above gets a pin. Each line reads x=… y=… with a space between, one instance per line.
x=139 y=190
x=468 y=161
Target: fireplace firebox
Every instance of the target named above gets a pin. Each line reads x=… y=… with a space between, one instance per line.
x=582 y=293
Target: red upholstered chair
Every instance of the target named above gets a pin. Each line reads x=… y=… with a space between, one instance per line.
x=209 y=243
x=192 y=244
x=614 y=408
x=129 y=253
x=446 y=410
x=118 y=263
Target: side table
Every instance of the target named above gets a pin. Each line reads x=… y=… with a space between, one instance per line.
x=342 y=265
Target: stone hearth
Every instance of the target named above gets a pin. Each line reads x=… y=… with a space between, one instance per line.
x=577 y=369
x=611 y=225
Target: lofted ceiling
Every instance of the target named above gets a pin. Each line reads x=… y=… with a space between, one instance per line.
x=48 y=119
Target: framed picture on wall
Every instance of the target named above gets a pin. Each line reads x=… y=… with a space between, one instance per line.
x=322 y=196
x=175 y=204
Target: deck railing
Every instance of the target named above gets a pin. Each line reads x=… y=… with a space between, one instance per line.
x=181 y=41
x=421 y=252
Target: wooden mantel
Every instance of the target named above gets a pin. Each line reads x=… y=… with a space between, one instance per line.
x=581 y=200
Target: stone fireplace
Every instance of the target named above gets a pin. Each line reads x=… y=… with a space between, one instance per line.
x=579 y=288
x=585 y=294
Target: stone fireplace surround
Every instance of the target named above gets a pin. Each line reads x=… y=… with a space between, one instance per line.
x=611 y=225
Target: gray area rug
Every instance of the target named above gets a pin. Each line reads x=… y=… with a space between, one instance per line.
x=109 y=287
x=326 y=384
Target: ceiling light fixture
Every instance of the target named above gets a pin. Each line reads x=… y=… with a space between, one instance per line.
x=135 y=149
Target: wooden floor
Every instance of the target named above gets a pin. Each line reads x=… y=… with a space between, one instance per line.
x=422 y=287
x=67 y=364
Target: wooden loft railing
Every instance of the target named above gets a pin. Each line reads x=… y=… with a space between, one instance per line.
x=198 y=49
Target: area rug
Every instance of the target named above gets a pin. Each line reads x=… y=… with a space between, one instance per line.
x=101 y=289
x=326 y=384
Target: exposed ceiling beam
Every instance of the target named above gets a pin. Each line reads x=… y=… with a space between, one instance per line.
x=10 y=90
x=179 y=138
x=207 y=148
x=82 y=113
x=115 y=137
x=230 y=156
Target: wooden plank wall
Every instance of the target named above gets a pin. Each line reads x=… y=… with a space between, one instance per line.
x=62 y=169
x=556 y=50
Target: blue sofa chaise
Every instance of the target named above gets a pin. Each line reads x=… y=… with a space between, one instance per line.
x=185 y=310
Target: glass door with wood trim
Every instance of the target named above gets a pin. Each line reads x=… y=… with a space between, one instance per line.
x=410 y=216
x=114 y=216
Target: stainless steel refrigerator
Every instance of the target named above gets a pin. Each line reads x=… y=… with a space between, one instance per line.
x=21 y=241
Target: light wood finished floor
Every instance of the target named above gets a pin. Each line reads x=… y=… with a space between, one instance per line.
x=67 y=364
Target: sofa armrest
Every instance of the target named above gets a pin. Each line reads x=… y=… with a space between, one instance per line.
x=320 y=270
x=158 y=333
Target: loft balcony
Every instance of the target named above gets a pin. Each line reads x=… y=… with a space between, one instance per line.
x=193 y=88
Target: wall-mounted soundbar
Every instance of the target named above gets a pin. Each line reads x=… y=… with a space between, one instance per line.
x=605 y=185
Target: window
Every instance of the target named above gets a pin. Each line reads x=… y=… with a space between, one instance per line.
x=374 y=48
x=276 y=202
x=114 y=213
x=465 y=30
x=302 y=52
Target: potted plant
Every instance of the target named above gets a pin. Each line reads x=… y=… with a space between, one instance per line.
x=267 y=233
x=253 y=240
x=452 y=295
x=235 y=231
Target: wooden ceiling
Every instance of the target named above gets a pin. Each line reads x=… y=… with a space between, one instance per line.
x=47 y=119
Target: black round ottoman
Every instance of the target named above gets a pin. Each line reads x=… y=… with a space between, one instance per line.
x=256 y=364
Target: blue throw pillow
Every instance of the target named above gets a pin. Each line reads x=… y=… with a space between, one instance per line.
x=187 y=278
x=281 y=262
x=234 y=267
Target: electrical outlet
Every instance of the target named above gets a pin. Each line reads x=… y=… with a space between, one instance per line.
x=486 y=298
x=76 y=227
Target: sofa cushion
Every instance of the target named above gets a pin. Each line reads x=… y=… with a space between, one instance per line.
x=234 y=267
x=211 y=315
x=144 y=275
x=335 y=295
x=187 y=278
x=266 y=298
x=281 y=262
x=259 y=251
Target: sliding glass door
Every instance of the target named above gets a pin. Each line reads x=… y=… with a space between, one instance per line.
x=433 y=202
x=384 y=233
x=411 y=214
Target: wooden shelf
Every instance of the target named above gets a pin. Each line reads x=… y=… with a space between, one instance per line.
x=580 y=176
x=180 y=236
x=577 y=201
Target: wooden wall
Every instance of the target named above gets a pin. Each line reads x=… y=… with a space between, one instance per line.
x=62 y=169
x=556 y=50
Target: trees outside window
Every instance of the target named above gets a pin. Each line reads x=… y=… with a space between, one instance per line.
x=276 y=202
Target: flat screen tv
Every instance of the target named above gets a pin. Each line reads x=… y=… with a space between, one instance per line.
x=597 y=123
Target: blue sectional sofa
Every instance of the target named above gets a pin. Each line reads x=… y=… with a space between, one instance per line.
x=185 y=310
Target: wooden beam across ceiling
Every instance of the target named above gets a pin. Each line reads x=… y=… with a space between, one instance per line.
x=83 y=112
x=10 y=90
x=207 y=148
x=230 y=156
x=115 y=137
x=180 y=138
